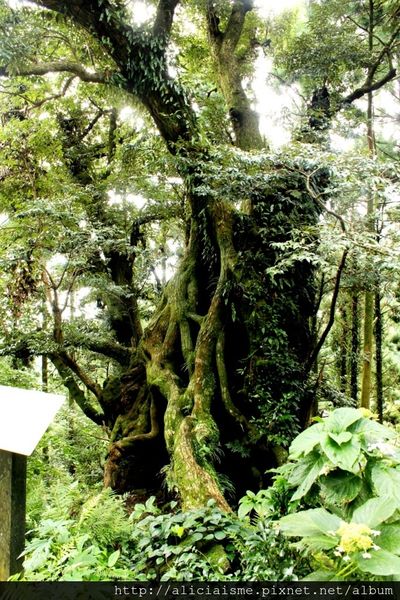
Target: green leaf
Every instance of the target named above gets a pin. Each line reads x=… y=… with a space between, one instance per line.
x=373 y=431
x=309 y=523
x=375 y=511
x=178 y=530
x=340 y=438
x=112 y=559
x=305 y=441
x=340 y=487
x=380 y=563
x=320 y=576
x=316 y=543
x=389 y=538
x=311 y=471
x=344 y=456
x=386 y=481
x=341 y=419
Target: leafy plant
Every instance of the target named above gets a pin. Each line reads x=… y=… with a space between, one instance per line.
x=367 y=545
x=208 y=544
x=343 y=460
x=347 y=466
x=87 y=546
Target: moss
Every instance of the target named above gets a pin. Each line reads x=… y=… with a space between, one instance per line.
x=111 y=391
x=218 y=559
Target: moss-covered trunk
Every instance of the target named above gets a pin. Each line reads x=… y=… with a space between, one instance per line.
x=223 y=388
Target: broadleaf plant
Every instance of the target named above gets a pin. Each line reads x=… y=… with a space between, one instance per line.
x=343 y=460
x=345 y=470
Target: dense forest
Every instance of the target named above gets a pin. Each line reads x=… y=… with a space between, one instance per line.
x=199 y=227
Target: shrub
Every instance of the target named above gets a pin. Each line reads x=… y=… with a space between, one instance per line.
x=347 y=467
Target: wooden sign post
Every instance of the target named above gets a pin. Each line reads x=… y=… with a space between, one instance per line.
x=24 y=417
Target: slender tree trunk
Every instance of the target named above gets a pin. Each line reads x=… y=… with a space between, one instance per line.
x=343 y=348
x=379 y=355
x=355 y=345
x=369 y=294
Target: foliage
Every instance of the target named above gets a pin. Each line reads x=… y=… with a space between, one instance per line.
x=80 y=538
x=365 y=546
x=348 y=466
x=75 y=542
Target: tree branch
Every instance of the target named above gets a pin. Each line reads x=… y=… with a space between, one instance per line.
x=164 y=18
x=367 y=88
x=235 y=24
x=84 y=377
x=214 y=30
x=127 y=46
x=109 y=349
x=75 y=391
x=369 y=85
x=314 y=355
x=64 y=66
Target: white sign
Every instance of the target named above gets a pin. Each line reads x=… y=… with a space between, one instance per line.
x=24 y=417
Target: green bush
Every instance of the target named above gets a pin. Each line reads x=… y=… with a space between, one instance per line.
x=207 y=544
x=88 y=544
x=347 y=467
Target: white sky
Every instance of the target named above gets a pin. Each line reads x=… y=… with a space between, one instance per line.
x=273 y=7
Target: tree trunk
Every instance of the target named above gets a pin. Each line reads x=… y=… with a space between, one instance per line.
x=369 y=295
x=379 y=356
x=355 y=346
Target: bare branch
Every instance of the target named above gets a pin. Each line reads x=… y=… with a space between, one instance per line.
x=64 y=90
x=113 y=350
x=75 y=391
x=367 y=88
x=314 y=355
x=88 y=382
x=64 y=66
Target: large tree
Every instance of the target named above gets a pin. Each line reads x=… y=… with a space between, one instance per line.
x=215 y=384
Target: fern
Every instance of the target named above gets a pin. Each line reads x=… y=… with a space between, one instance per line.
x=104 y=516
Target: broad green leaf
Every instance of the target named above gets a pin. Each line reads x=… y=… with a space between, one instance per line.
x=341 y=419
x=309 y=523
x=344 y=456
x=380 y=563
x=321 y=542
x=386 y=481
x=305 y=441
x=340 y=438
x=178 y=530
x=389 y=538
x=112 y=559
x=375 y=511
x=340 y=487
x=372 y=430
x=310 y=476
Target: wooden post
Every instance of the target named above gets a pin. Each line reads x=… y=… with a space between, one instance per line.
x=12 y=512
x=24 y=417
